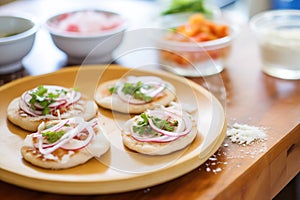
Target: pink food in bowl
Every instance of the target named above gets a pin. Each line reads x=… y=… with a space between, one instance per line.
x=86 y=22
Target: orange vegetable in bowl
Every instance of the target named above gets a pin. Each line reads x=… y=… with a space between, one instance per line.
x=200 y=29
x=198 y=47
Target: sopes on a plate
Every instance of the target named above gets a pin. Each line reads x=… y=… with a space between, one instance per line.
x=49 y=102
x=160 y=131
x=135 y=94
x=65 y=143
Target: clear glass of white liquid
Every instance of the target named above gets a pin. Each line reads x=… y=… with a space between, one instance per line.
x=278 y=36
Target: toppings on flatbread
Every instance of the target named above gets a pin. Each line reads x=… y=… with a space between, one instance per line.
x=135 y=94
x=138 y=92
x=65 y=143
x=45 y=100
x=49 y=102
x=159 y=131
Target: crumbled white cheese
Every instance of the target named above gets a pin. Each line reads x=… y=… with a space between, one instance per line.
x=23 y=115
x=245 y=134
x=66 y=157
x=50 y=156
x=217 y=170
x=147 y=190
x=184 y=106
x=28 y=142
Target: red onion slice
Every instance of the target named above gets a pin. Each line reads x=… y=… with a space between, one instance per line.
x=57 y=103
x=28 y=110
x=74 y=144
x=67 y=141
x=185 y=119
x=184 y=126
x=157 y=88
x=73 y=98
x=26 y=98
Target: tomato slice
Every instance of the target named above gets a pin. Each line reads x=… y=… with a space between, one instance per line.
x=73 y=28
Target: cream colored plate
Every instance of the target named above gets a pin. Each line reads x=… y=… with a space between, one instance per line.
x=119 y=169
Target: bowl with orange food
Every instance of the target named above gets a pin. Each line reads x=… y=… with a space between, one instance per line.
x=195 y=46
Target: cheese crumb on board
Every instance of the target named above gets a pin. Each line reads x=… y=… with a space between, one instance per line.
x=245 y=134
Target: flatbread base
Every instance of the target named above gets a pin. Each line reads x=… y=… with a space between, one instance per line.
x=78 y=158
x=63 y=158
x=155 y=148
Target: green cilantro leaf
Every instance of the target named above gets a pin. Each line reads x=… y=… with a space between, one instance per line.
x=46 y=111
x=113 y=90
x=131 y=88
x=164 y=124
x=41 y=90
x=144 y=121
x=52 y=136
x=142 y=96
x=134 y=90
x=53 y=96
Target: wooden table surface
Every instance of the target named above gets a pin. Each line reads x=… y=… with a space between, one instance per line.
x=256 y=171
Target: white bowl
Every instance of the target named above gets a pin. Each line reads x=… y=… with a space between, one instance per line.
x=187 y=57
x=17 y=34
x=87 y=43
